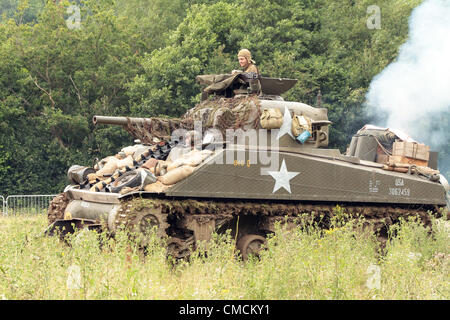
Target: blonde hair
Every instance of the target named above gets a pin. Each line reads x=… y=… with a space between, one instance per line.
x=246 y=53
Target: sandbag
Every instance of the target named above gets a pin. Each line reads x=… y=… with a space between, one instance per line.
x=150 y=163
x=176 y=175
x=92 y=178
x=271 y=118
x=177 y=152
x=197 y=157
x=102 y=162
x=183 y=159
x=192 y=158
x=126 y=190
x=130 y=150
x=128 y=161
x=300 y=124
x=109 y=167
x=157 y=187
x=160 y=168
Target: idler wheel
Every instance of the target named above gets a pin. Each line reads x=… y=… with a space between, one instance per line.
x=250 y=244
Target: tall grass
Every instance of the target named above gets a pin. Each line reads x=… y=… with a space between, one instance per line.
x=305 y=263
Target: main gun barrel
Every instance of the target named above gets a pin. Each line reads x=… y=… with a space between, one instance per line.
x=120 y=121
x=146 y=129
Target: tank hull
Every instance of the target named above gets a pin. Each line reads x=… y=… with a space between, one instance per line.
x=249 y=196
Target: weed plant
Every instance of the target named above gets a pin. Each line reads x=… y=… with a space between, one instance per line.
x=343 y=262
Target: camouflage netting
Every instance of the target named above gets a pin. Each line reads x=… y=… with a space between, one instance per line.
x=158 y=128
x=227 y=113
x=218 y=112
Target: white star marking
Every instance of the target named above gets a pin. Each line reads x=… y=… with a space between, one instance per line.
x=282 y=178
x=286 y=127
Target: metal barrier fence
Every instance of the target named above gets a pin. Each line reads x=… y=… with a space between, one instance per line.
x=3 y=204
x=18 y=204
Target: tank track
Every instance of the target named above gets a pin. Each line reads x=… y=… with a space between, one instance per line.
x=57 y=207
x=172 y=215
x=139 y=217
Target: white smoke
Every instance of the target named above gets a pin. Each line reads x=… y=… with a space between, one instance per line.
x=414 y=91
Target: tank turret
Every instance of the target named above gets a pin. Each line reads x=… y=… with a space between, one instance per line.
x=230 y=104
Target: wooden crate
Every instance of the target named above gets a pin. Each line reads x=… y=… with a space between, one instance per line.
x=411 y=150
x=407 y=160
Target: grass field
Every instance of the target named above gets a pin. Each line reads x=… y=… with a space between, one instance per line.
x=340 y=263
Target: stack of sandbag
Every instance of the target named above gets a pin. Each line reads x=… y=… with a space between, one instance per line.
x=111 y=168
x=171 y=172
x=140 y=168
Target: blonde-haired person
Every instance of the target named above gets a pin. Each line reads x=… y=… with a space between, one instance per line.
x=246 y=62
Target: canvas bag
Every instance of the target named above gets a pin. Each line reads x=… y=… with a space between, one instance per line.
x=271 y=118
x=300 y=124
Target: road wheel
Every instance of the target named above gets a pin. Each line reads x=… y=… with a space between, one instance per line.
x=250 y=244
x=178 y=248
x=148 y=220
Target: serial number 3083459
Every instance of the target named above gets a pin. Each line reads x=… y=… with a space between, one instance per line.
x=399 y=192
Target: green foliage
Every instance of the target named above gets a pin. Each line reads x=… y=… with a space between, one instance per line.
x=168 y=83
x=22 y=11
x=54 y=79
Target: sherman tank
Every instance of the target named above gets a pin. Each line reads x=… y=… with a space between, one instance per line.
x=244 y=159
